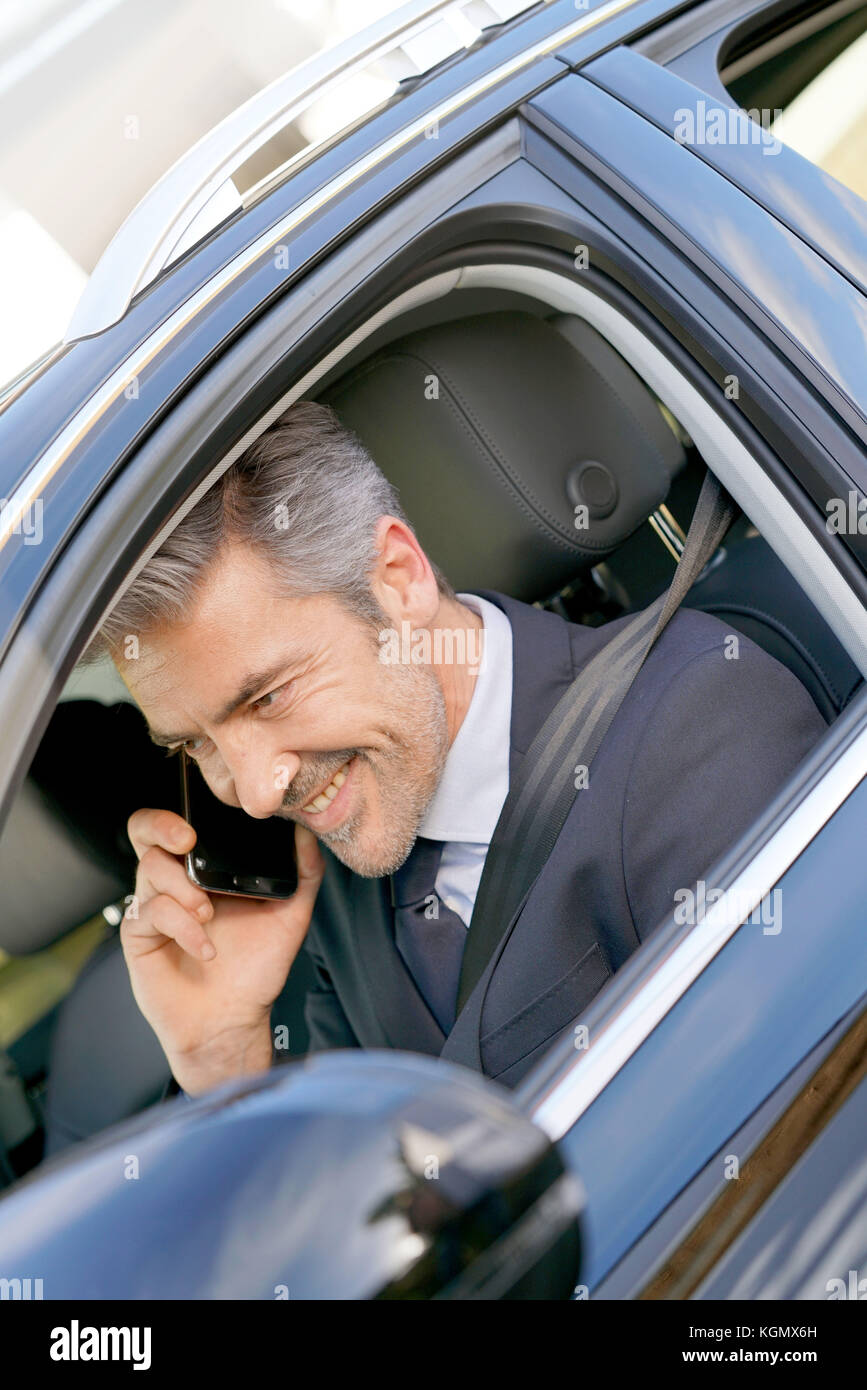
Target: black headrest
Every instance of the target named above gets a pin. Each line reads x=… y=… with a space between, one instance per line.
x=494 y=429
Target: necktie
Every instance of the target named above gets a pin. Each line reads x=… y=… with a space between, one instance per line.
x=429 y=936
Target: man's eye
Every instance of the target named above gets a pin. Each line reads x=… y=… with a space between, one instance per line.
x=274 y=697
x=192 y=747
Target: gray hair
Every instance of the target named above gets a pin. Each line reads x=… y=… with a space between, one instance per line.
x=306 y=496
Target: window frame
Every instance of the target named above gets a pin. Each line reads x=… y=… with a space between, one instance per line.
x=169 y=470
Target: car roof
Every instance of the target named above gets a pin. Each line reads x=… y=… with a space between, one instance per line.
x=199 y=192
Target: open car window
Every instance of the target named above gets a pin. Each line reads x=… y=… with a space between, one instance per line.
x=96 y=764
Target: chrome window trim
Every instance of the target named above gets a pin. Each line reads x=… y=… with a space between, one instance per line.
x=571 y=1094
x=47 y=465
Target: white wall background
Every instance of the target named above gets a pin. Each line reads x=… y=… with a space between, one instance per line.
x=97 y=99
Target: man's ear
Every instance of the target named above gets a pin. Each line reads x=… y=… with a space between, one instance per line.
x=121 y=668
x=402 y=579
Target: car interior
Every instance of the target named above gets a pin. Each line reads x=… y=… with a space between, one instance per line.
x=548 y=417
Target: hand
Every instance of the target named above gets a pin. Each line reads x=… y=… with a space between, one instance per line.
x=206 y=969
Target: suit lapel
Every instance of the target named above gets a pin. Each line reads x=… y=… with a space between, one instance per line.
x=542 y=670
x=463 y=1043
x=404 y=1016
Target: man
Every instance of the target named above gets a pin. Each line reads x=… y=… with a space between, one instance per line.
x=293 y=636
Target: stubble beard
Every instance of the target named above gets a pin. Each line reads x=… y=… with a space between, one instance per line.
x=407 y=772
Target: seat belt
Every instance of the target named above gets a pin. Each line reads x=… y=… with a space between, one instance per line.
x=546 y=783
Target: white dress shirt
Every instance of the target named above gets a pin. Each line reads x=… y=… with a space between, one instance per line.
x=475 y=781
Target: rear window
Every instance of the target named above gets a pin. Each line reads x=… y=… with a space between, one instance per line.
x=812 y=79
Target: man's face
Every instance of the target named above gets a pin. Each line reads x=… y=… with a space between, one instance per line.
x=288 y=710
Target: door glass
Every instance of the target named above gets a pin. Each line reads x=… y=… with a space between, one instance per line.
x=816 y=89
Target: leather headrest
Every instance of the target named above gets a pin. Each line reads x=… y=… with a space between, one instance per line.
x=500 y=433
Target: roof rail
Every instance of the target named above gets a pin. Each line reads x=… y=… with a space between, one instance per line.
x=197 y=192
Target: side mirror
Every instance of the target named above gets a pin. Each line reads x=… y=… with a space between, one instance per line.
x=342 y=1176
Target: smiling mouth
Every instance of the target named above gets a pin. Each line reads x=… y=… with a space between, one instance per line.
x=323 y=800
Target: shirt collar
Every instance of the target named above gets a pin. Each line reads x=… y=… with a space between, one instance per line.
x=475 y=780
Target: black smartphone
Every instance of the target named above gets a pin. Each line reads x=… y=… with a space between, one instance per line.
x=234 y=852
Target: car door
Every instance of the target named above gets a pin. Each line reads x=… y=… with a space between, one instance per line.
x=658 y=1137
x=712 y=1026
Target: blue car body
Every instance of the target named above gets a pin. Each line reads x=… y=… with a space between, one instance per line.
x=731 y=262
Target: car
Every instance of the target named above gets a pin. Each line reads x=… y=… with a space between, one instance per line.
x=696 y=1133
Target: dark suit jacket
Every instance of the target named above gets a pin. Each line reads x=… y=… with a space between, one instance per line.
x=698 y=747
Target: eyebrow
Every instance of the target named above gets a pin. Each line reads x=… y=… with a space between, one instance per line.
x=251 y=686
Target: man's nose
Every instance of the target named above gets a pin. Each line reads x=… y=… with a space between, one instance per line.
x=260 y=786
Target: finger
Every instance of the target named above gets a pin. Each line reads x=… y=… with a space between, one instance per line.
x=161 y=918
x=308 y=855
x=159 y=872
x=311 y=868
x=156 y=827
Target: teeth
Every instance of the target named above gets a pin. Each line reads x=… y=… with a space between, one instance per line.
x=326 y=797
